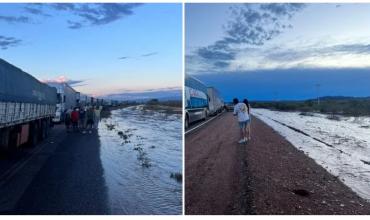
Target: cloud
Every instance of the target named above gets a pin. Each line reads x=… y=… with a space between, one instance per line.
x=167 y=93
x=149 y=54
x=254 y=24
x=95 y=14
x=74 y=25
x=86 y=14
x=348 y=55
x=6 y=42
x=15 y=19
x=123 y=58
x=35 y=10
x=135 y=57
x=64 y=79
x=287 y=55
x=250 y=24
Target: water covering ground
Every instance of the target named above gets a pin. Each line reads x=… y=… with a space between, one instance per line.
x=141 y=153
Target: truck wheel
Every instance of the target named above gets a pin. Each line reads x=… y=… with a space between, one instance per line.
x=47 y=128
x=4 y=139
x=43 y=130
x=34 y=135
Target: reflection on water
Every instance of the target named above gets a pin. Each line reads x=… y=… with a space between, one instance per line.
x=139 y=151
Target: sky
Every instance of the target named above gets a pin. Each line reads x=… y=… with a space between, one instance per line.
x=100 y=49
x=279 y=51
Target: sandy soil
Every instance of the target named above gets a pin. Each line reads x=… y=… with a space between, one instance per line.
x=266 y=176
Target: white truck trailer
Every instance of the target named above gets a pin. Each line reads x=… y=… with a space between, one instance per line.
x=67 y=97
x=215 y=101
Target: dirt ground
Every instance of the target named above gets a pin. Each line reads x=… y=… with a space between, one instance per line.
x=266 y=176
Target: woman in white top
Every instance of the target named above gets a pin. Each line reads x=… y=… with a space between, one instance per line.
x=241 y=110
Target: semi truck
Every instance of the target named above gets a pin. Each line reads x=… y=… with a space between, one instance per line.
x=196 y=100
x=215 y=101
x=85 y=100
x=27 y=107
x=67 y=98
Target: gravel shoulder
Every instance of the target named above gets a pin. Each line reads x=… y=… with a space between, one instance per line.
x=266 y=176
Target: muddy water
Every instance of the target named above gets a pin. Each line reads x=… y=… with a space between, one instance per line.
x=139 y=151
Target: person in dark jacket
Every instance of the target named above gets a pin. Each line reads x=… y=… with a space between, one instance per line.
x=90 y=119
x=82 y=120
x=67 y=119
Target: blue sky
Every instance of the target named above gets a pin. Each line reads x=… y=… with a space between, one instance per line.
x=104 y=48
x=326 y=44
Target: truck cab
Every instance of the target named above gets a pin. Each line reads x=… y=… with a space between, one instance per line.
x=196 y=100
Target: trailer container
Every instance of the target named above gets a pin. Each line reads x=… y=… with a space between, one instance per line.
x=26 y=107
x=215 y=101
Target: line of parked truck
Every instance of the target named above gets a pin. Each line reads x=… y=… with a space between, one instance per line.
x=28 y=107
x=201 y=101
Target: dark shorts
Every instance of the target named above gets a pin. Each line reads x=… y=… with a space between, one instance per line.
x=90 y=121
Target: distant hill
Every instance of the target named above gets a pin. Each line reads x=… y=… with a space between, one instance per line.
x=353 y=106
x=342 y=98
x=161 y=95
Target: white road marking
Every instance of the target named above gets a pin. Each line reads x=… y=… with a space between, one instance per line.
x=200 y=125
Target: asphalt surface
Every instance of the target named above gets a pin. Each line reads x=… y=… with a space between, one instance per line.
x=266 y=176
x=63 y=176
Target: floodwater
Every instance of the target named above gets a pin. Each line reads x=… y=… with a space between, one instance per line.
x=141 y=151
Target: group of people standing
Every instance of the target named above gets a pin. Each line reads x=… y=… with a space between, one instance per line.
x=242 y=111
x=82 y=119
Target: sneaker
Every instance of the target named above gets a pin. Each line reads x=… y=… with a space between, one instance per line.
x=90 y=132
x=83 y=132
x=242 y=141
x=246 y=139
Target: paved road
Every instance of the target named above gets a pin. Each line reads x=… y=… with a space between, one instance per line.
x=63 y=176
x=266 y=176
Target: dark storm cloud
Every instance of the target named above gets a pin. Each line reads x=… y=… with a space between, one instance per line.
x=6 y=42
x=250 y=24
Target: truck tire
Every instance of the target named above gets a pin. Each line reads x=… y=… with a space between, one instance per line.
x=43 y=130
x=4 y=139
x=33 y=135
x=12 y=143
x=205 y=115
